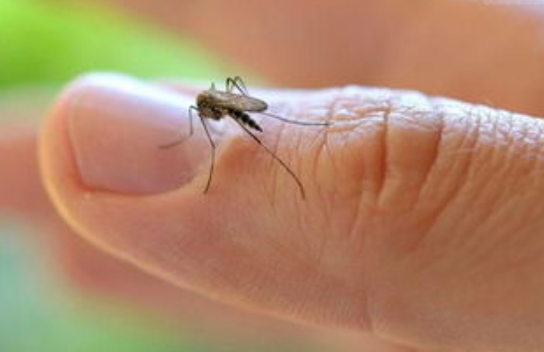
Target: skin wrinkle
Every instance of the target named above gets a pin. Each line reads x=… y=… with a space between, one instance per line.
x=385 y=156
x=536 y=166
x=469 y=137
x=526 y=149
x=328 y=205
x=473 y=168
x=492 y=198
x=335 y=199
x=336 y=165
x=412 y=110
x=426 y=180
x=322 y=140
x=373 y=171
x=480 y=192
x=507 y=187
x=438 y=147
x=536 y=162
x=360 y=197
x=362 y=115
x=327 y=211
x=534 y=135
x=355 y=223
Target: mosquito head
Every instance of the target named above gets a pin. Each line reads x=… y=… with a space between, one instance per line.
x=202 y=99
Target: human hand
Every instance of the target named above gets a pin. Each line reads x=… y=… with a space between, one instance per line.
x=510 y=81
x=422 y=220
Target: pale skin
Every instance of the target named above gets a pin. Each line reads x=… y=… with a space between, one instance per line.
x=423 y=220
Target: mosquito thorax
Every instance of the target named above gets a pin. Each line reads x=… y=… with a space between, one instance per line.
x=204 y=103
x=202 y=99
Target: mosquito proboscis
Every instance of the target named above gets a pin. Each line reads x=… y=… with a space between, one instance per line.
x=235 y=102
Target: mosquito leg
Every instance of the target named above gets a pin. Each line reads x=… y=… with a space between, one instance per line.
x=191 y=127
x=237 y=83
x=294 y=122
x=241 y=83
x=212 y=157
x=183 y=139
x=297 y=180
x=229 y=84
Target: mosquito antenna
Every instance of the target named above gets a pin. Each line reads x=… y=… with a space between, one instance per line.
x=294 y=122
x=297 y=180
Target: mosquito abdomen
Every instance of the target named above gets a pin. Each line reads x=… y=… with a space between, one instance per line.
x=246 y=120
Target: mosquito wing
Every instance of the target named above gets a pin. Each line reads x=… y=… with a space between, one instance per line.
x=238 y=102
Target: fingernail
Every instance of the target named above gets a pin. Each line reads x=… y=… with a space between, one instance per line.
x=116 y=126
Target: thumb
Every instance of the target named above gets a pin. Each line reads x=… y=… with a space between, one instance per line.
x=421 y=222
x=105 y=170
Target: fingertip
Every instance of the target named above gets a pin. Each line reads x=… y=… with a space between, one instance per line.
x=113 y=127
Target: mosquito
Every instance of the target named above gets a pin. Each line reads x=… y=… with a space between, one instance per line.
x=236 y=103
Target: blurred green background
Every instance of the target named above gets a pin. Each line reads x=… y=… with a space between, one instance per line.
x=44 y=44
